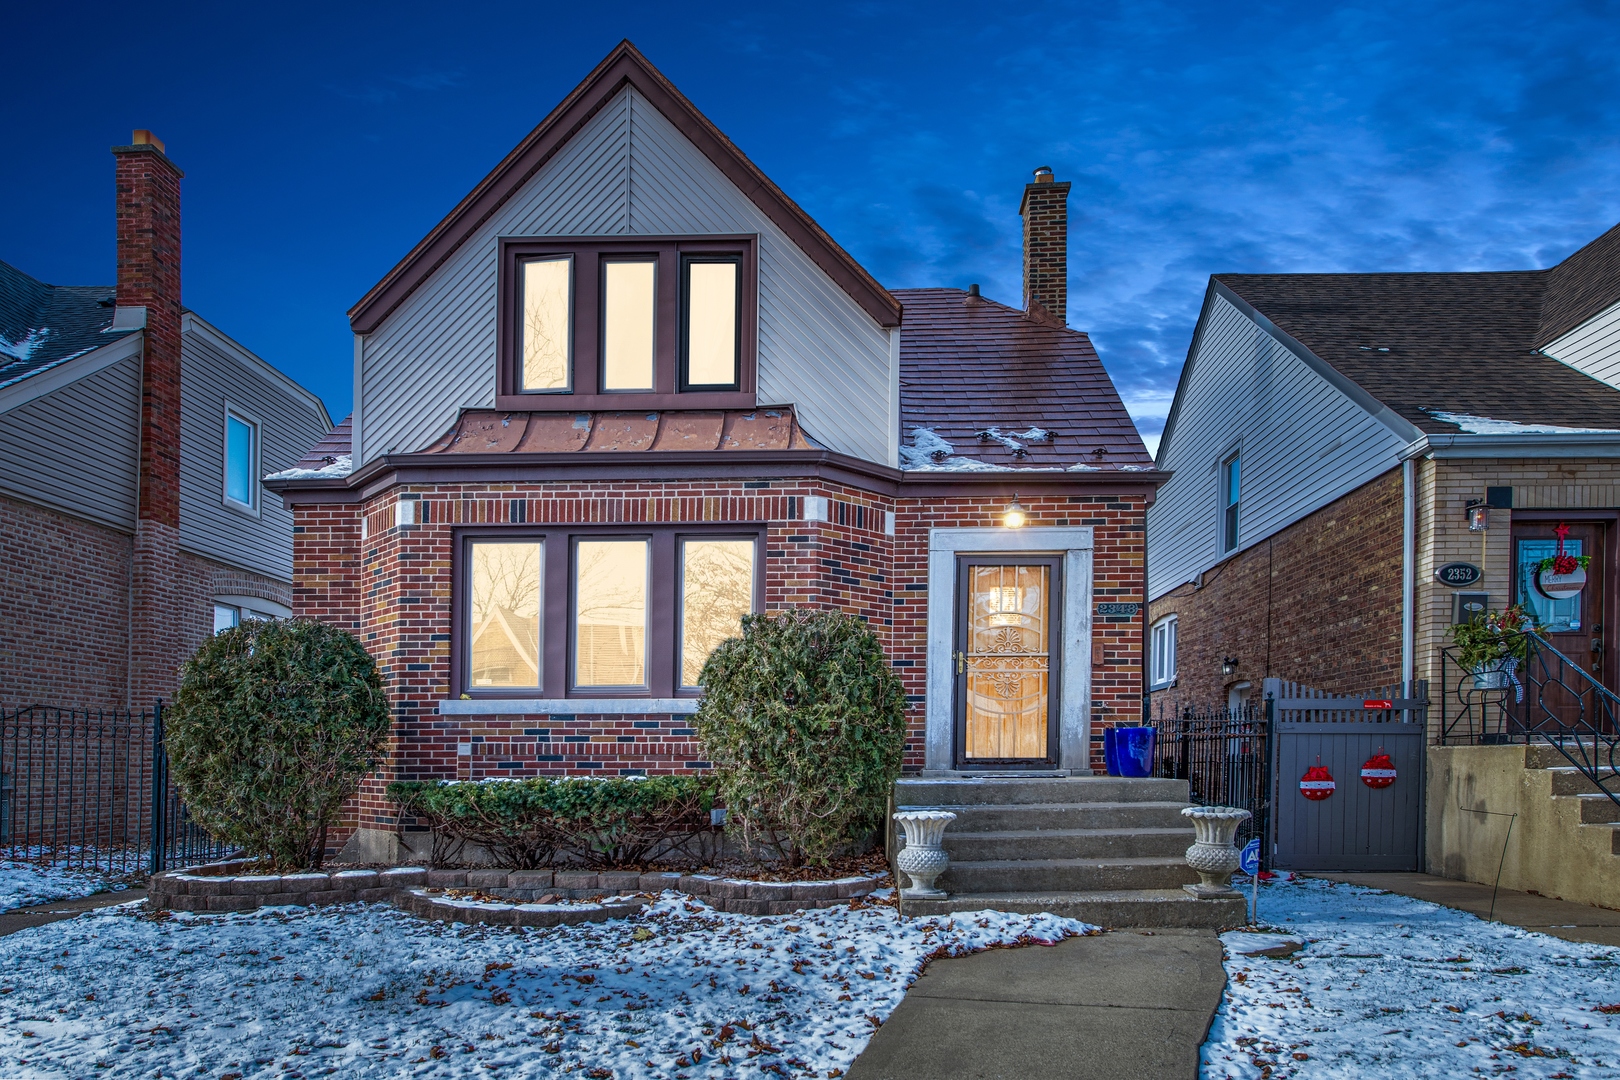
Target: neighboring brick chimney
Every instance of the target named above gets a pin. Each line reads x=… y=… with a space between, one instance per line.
x=1045 y=211
x=148 y=216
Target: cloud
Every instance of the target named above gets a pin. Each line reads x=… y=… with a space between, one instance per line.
x=386 y=90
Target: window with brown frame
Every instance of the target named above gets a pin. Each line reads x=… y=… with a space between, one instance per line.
x=628 y=323
x=580 y=612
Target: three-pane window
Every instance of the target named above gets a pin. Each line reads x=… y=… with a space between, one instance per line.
x=577 y=613
x=599 y=323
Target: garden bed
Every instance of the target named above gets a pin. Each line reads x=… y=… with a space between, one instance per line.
x=225 y=887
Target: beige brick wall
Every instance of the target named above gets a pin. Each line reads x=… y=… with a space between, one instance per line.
x=1444 y=489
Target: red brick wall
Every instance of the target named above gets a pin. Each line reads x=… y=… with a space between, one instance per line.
x=394 y=591
x=64 y=610
x=1318 y=603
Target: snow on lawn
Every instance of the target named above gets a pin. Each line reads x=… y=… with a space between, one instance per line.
x=23 y=882
x=1393 y=987
x=363 y=991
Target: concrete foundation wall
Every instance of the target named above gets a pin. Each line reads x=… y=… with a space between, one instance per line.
x=1562 y=844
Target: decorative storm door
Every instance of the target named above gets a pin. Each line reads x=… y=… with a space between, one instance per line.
x=1007 y=645
x=1571 y=614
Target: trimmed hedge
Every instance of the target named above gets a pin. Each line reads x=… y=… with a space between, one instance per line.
x=271 y=731
x=527 y=823
x=805 y=724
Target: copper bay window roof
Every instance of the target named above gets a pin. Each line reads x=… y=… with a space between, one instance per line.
x=491 y=432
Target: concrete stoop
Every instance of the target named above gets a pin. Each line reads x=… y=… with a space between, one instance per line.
x=1106 y=850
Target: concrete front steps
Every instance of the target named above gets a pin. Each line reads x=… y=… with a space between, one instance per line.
x=1105 y=850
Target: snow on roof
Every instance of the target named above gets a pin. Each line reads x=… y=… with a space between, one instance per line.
x=339 y=466
x=25 y=344
x=1484 y=425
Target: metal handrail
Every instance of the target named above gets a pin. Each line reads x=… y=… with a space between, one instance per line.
x=1592 y=743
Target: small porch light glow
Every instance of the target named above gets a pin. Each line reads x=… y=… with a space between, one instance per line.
x=1013 y=517
x=1479 y=517
x=1229 y=666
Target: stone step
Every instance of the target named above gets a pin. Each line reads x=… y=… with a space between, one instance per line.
x=1597 y=809
x=1568 y=780
x=1609 y=832
x=1002 y=791
x=1045 y=816
x=1111 y=908
x=1067 y=844
x=1541 y=755
x=1066 y=875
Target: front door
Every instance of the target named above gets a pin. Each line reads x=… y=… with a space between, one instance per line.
x=1574 y=625
x=1006 y=661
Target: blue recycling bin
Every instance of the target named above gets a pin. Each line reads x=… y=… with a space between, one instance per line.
x=1134 y=749
x=1110 y=752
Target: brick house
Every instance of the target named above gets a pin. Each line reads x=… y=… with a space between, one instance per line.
x=628 y=391
x=1329 y=437
x=133 y=436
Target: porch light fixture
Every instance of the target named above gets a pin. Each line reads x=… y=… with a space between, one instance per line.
x=1013 y=517
x=1229 y=666
x=1479 y=516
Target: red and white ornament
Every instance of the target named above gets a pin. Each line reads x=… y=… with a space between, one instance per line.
x=1379 y=771
x=1317 y=783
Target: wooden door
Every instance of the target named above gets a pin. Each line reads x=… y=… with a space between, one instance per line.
x=1006 y=658
x=1576 y=626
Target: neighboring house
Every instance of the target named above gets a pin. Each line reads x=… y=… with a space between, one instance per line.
x=1329 y=436
x=628 y=391
x=133 y=525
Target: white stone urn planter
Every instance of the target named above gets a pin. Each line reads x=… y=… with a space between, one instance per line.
x=923 y=859
x=1213 y=854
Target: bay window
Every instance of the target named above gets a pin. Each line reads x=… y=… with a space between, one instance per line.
x=582 y=612
x=627 y=323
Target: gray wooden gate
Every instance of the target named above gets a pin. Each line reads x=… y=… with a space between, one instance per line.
x=1357 y=827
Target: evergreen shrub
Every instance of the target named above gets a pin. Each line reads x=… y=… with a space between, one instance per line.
x=524 y=824
x=804 y=722
x=271 y=731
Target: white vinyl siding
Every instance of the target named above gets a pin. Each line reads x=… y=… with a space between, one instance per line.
x=217 y=375
x=1592 y=348
x=629 y=171
x=77 y=449
x=1305 y=443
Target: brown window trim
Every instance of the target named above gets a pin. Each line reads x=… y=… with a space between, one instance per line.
x=585 y=321
x=556 y=623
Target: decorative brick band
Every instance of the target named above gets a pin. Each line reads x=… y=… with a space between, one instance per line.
x=218 y=887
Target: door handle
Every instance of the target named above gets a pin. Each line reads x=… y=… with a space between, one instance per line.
x=961 y=662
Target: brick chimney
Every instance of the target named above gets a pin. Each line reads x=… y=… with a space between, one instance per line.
x=1045 y=211
x=148 y=216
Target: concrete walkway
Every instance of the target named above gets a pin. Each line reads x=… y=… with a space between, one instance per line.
x=22 y=918
x=1126 y=1005
x=1560 y=918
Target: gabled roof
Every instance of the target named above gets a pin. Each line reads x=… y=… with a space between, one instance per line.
x=1422 y=344
x=1580 y=287
x=970 y=365
x=625 y=64
x=42 y=326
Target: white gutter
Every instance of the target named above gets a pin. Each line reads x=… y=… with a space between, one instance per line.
x=1408 y=570
x=1574 y=444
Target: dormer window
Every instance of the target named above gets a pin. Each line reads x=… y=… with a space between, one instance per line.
x=627 y=323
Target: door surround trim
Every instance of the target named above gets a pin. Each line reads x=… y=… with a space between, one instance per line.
x=1074 y=707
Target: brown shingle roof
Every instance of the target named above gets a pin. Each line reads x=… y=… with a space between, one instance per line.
x=969 y=365
x=1580 y=287
x=339 y=442
x=1460 y=342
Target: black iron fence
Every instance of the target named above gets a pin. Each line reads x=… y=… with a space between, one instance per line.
x=88 y=789
x=1223 y=753
x=1549 y=699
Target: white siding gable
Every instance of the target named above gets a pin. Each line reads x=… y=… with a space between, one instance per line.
x=628 y=171
x=1303 y=442
x=1592 y=348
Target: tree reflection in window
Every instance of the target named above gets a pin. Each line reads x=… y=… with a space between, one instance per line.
x=504 y=616
x=717 y=590
x=610 y=613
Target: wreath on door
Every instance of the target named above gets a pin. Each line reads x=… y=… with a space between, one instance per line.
x=1563 y=575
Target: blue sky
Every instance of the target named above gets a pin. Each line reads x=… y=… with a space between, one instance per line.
x=321 y=141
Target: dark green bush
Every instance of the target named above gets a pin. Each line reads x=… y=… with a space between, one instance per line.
x=525 y=823
x=273 y=727
x=804 y=722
